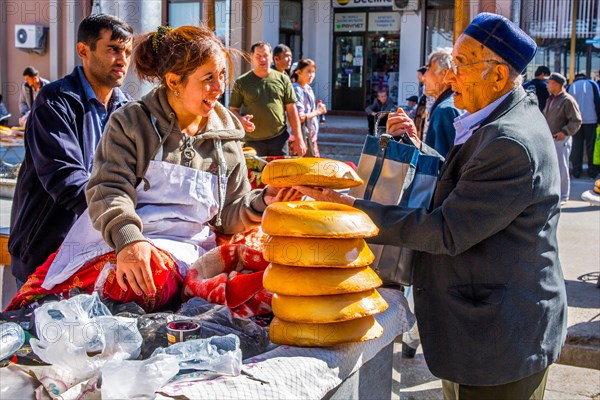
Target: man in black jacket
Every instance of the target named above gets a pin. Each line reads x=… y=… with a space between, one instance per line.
x=539 y=85
x=489 y=293
x=64 y=127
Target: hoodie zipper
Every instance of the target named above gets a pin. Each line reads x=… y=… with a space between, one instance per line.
x=187 y=150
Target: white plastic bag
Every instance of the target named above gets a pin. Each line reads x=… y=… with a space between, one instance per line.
x=80 y=335
x=129 y=379
x=220 y=354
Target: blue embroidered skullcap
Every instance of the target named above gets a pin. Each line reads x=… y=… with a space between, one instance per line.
x=504 y=38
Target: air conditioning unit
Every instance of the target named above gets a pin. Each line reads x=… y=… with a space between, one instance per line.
x=406 y=5
x=30 y=36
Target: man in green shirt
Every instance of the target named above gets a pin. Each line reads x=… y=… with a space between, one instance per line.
x=261 y=98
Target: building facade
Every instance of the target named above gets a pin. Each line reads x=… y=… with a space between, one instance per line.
x=359 y=46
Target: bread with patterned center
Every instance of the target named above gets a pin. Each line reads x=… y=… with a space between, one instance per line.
x=308 y=171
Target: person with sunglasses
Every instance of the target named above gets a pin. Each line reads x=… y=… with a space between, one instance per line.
x=489 y=292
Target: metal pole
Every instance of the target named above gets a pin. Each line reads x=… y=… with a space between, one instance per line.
x=573 y=40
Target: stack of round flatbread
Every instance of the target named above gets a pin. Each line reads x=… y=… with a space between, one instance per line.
x=324 y=290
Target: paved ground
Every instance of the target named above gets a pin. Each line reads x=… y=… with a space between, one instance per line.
x=413 y=381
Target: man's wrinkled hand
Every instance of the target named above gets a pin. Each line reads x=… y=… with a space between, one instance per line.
x=399 y=122
x=325 y=194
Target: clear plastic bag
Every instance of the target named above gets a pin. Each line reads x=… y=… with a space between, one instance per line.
x=220 y=354
x=12 y=338
x=80 y=335
x=128 y=379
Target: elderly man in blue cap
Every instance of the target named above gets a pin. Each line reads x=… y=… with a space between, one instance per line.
x=489 y=292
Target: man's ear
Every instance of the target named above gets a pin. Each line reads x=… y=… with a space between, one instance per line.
x=502 y=75
x=82 y=50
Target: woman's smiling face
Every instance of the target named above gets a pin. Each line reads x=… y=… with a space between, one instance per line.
x=203 y=88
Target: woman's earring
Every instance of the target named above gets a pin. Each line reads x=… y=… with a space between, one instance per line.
x=176 y=93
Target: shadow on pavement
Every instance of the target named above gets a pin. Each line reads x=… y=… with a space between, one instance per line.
x=582 y=294
x=571 y=209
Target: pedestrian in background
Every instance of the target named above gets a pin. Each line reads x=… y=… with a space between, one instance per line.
x=420 y=78
x=381 y=103
x=421 y=111
x=65 y=125
x=539 y=85
x=4 y=115
x=440 y=133
x=32 y=83
x=262 y=99
x=282 y=59
x=564 y=119
x=308 y=111
x=490 y=296
x=412 y=106
x=586 y=93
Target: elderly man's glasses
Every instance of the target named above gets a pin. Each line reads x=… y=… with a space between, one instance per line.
x=454 y=66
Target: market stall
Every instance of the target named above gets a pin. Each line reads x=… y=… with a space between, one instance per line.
x=282 y=372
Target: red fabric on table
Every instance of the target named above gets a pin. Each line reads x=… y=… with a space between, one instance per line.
x=230 y=275
x=168 y=284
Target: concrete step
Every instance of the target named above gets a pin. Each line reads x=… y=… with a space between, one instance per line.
x=581 y=352
x=358 y=130
x=342 y=138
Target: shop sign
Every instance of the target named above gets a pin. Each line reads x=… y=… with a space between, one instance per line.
x=350 y=22
x=362 y=3
x=384 y=21
x=290 y=15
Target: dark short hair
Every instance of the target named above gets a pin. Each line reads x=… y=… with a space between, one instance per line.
x=542 y=70
x=31 y=72
x=281 y=48
x=422 y=70
x=91 y=27
x=382 y=91
x=259 y=44
x=580 y=75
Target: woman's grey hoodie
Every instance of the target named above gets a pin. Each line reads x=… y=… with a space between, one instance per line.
x=133 y=136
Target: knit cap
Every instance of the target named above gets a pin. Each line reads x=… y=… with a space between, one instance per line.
x=504 y=38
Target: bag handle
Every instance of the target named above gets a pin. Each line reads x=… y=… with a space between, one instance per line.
x=403 y=138
x=378 y=117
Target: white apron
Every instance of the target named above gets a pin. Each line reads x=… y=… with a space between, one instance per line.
x=174 y=211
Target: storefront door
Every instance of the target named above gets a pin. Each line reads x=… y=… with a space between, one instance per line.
x=382 y=66
x=348 y=90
